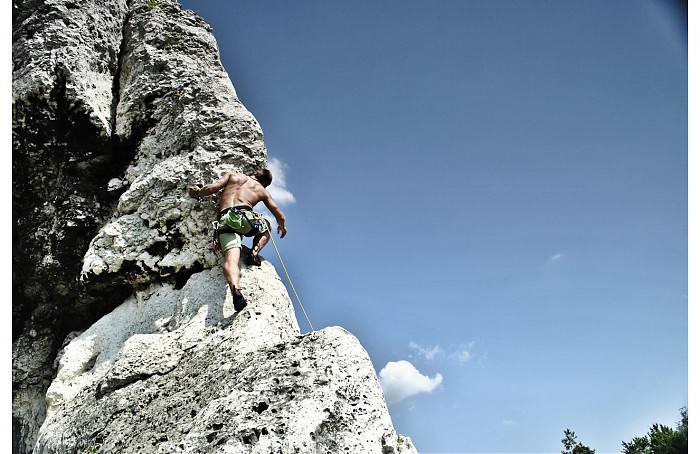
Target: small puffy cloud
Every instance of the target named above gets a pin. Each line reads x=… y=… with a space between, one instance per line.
x=428 y=352
x=508 y=422
x=556 y=257
x=462 y=356
x=401 y=380
x=463 y=353
x=278 y=188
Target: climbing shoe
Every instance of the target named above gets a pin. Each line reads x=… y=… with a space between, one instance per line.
x=253 y=260
x=239 y=303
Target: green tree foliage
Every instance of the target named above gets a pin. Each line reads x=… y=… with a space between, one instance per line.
x=573 y=446
x=661 y=439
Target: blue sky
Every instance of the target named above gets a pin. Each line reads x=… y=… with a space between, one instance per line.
x=492 y=196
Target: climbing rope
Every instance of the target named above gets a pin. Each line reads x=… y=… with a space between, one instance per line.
x=272 y=236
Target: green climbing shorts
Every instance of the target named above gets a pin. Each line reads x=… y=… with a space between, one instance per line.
x=230 y=241
x=251 y=224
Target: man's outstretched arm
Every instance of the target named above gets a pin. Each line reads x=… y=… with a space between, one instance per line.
x=209 y=189
x=277 y=213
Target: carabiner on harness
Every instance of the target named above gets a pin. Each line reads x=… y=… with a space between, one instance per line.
x=261 y=225
x=215 y=243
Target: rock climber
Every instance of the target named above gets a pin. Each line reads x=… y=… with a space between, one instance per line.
x=237 y=219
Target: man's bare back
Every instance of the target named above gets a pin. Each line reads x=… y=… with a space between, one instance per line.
x=240 y=189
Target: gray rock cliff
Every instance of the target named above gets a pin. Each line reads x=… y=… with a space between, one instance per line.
x=124 y=335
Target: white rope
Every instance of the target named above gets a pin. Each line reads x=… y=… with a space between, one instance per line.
x=272 y=236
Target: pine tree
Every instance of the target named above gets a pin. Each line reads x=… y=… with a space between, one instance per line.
x=573 y=446
x=661 y=439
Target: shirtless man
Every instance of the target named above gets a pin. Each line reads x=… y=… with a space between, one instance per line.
x=241 y=193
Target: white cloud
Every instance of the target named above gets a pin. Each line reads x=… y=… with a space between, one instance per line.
x=278 y=188
x=462 y=356
x=428 y=352
x=463 y=353
x=556 y=257
x=401 y=380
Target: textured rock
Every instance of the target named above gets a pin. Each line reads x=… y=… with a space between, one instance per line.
x=175 y=95
x=65 y=60
x=202 y=380
x=124 y=335
x=117 y=108
x=69 y=46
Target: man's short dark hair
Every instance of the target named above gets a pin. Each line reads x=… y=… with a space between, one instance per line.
x=263 y=176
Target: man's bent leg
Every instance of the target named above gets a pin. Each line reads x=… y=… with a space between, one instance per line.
x=260 y=241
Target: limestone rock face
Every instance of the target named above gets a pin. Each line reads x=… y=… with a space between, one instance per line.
x=174 y=95
x=65 y=61
x=124 y=335
x=179 y=372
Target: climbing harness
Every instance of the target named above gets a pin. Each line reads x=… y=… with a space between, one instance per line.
x=232 y=221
